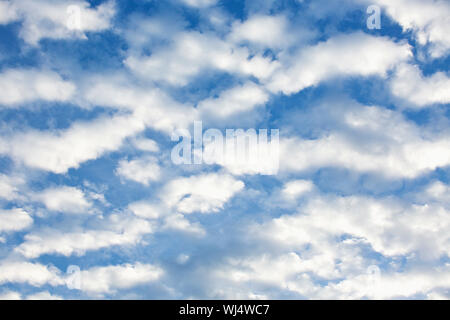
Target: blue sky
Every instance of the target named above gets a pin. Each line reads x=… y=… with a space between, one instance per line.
x=92 y=92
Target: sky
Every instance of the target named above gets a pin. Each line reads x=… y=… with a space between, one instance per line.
x=94 y=95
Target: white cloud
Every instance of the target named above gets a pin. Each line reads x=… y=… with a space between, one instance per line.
x=191 y=53
x=179 y=222
x=10 y=187
x=14 y=220
x=204 y=193
x=245 y=151
x=145 y=210
x=117 y=231
x=439 y=191
x=64 y=149
x=327 y=239
x=390 y=227
x=409 y=84
x=44 y=295
x=10 y=295
x=235 y=100
x=26 y=272
x=427 y=18
x=8 y=12
x=369 y=139
x=389 y=286
x=22 y=86
x=108 y=279
x=55 y=20
x=199 y=3
x=297 y=188
x=166 y=218
x=349 y=54
x=141 y=170
x=64 y=199
x=59 y=150
x=144 y=144
x=269 y=31
x=150 y=106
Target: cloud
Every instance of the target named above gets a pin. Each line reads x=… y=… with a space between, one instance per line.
x=199 y=3
x=390 y=227
x=356 y=54
x=141 y=170
x=64 y=149
x=267 y=31
x=144 y=144
x=10 y=187
x=44 y=295
x=234 y=101
x=64 y=199
x=368 y=140
x=150 y=106
x=297 y=188
x=59 y=19
x=116 y=231
x=178 y=222
x=109 y=279
x=26 y=272
x=409 y=84
x=204 y=193
x=10 y=295
x=428 y=19
x=23 y=86
x=190 y=53
x=414 y=283
x=14 y=220
x=8 y=12
x=166 y=218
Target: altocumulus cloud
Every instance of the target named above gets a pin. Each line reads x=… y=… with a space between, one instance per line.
x=93 y=91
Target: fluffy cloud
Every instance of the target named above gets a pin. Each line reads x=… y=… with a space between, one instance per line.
x=416 y=283
x=235 y=100
x=64 y=149
x=348 y=54
x=57 y=19
x=64 y=199
x=165 y=218
x=199 y=3
x=148 y=145
x=109 y=279
x=26 y=272
x=191 y=53
x=369 y=139
x=10 y=295
x=44 y=295
x=390 y=227
x=22 y=86
x=116 y=231
x=327 y=239
x=59 y=150
x=409 y=84
x=204 y=193
x=8 y=12
x=269 y=31
x=428 y=19
x=14 y=220
x=9 y=187
x=141 y=170
x=297 y=188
